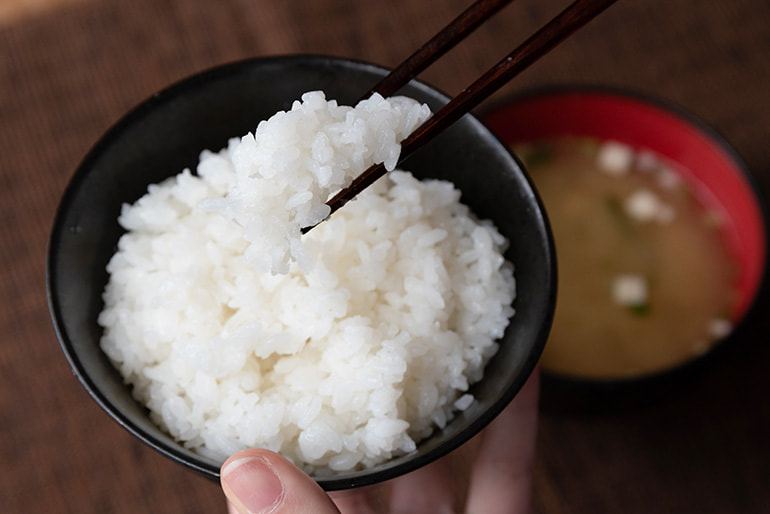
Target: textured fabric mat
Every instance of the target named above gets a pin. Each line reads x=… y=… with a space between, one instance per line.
x=67 y=74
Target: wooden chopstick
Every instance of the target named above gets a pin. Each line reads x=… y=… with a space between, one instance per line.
x=549 y=36
x=446 y=39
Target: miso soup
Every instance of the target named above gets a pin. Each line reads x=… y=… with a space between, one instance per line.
x=645 y=277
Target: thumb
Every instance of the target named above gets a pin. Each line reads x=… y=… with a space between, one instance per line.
x=260 y=481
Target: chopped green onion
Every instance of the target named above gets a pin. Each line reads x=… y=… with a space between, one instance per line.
x=639 y=309
x=535 y=155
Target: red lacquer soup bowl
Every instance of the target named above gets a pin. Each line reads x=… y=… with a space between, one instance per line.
x=709 y=166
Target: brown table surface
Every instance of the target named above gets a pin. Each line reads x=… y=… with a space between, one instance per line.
x=69 y=71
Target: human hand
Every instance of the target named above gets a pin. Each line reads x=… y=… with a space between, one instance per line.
x=499 y=481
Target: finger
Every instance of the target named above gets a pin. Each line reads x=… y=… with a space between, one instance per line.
x=260 y=481
x=427 y=489
x=502 y=473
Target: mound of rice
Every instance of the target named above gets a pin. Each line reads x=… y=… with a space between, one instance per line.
x=296 y=160
x=339 y=363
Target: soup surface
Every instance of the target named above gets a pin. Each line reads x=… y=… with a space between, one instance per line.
x=645 y=279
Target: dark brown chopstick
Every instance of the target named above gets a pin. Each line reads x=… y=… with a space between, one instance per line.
x=549 y=36
x=446 y=39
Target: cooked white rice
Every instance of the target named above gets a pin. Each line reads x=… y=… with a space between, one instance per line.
x=340 y=363
x=296 y=160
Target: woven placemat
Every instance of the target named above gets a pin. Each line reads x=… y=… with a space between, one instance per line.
x=66 y=75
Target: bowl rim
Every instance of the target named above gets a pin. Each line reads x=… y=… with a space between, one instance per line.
x=168 y=94
x=670 y=375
